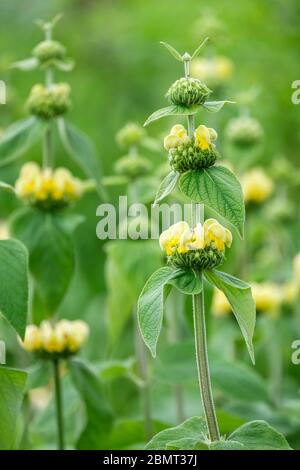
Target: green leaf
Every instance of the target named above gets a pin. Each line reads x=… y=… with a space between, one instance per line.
x=219 y=189
x=259 y=435
x=99 y=416
x=166 y=187
x=26 y=65
x=241 y=301
x=227 y=445
x=197 y=51
x=191 y=434
x=173 y=110
x=151 y=300
x=64 y=65
x=51 y=253
x=82 y=150
x=12 y=386
x=17 y=138
x=186 y=282
x=172 y=51
x=14 y=284
x=215 y=106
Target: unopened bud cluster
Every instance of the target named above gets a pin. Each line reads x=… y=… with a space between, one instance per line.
x=132 y=166
x=200 y=248
x=60 y=340
x=48 y=189
x=49 y=102
x=131 y=134
x=188 y=91
x=257 y=186
x=244 y=131
x=48 y=51
x=194 y=153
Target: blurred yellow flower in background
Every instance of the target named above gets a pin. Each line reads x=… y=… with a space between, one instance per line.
x=267 y=297
x=257 y=186
x=220 y=304
x=212 y=70
x=47 y=187
x=65 y=337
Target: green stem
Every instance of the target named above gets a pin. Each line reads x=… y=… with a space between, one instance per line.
x=47 y=144
x=59 y=406
x=202 y=365
x=141 y=358
x=199 y=314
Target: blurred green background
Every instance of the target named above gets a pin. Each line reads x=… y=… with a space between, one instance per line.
x=121 y=75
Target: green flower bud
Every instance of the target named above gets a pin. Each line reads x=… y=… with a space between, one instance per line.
x=132 y=166
x=244 y=131
x=130 y=134
x=188 y=91
x=189 y=156
x=49 y=50
x=205 y=258
x=50 y=102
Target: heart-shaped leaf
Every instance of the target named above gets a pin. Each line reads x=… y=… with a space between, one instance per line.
x=151 y=300
x=191 y=434
x=220 y=190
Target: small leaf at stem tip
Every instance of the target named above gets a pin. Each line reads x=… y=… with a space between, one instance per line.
x=173 y=110
x=25 y=65
x=215 y=106
x=172 y=51
x=196 y=52
x=166 y=187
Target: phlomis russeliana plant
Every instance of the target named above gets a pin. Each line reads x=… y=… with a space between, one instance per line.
x=194 y=253
x=46 y=224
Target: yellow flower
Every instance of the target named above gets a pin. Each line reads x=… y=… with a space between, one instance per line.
x=177 y=136
x=215 y=233
x=204 y=136
x=257 y=186
x=197 y=241
x=32 y=340
x=52 y=341
x=267 y=297
x=220 y=304
x=290 y=291
x=181 y=238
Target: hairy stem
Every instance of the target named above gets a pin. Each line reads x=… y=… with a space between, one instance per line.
x=47 y=143
x=59 y=406
x=202 y=365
